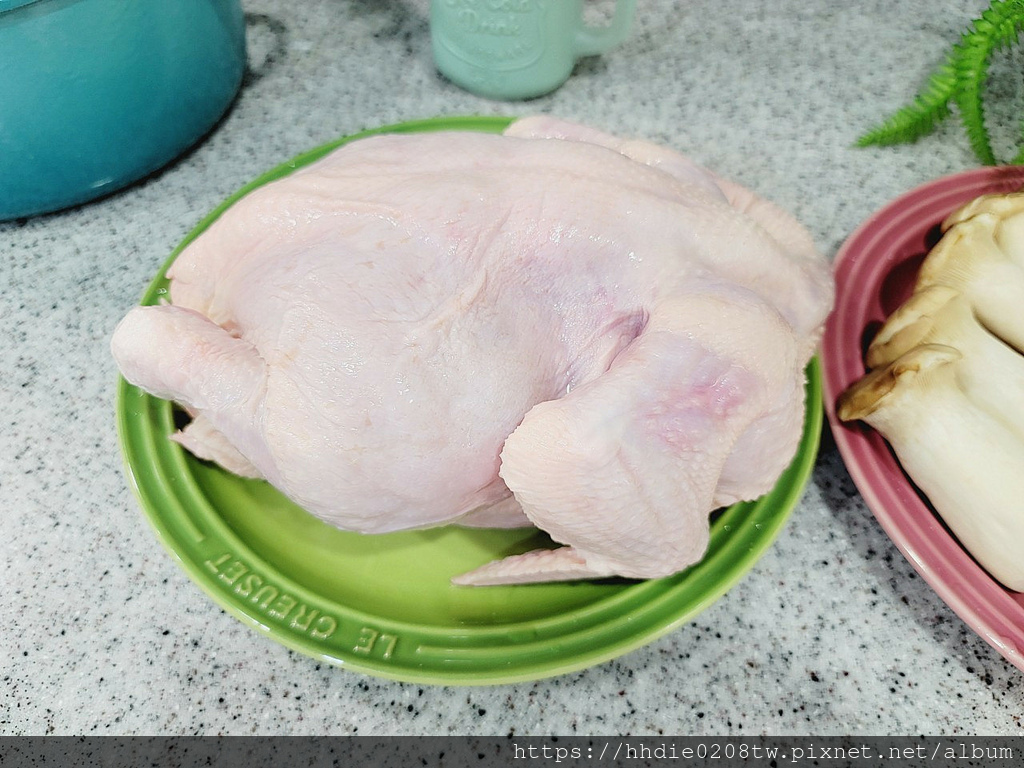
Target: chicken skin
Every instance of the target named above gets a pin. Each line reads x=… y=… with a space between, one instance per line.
x=550 y=327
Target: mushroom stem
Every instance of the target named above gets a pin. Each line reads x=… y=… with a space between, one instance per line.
x=965 y=459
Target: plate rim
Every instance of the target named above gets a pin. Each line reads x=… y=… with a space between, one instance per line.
x=789 y=489
x=953 y=575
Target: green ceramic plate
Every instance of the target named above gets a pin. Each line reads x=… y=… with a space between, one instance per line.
x=383 y=604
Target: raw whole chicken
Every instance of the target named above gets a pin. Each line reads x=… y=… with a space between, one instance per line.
x=549 y=327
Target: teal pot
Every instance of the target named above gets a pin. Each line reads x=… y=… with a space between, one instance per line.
x=95 y=94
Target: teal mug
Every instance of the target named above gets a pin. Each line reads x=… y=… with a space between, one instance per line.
x=518 y=49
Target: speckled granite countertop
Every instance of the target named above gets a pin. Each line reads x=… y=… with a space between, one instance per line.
x=832 y=632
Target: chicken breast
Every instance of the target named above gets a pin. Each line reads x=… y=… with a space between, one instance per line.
x=550 y=327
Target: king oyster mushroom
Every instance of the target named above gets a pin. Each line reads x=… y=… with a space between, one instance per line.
x=962 y=456
x=945 y=384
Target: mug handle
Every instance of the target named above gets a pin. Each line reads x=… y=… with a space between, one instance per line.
x=592 y=41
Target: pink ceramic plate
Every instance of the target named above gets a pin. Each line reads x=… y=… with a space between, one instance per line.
x=875 y=270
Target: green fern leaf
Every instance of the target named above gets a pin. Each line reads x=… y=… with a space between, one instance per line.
x=999 y=26
x=918 y=118
x=960 y=79
x=1019 y=158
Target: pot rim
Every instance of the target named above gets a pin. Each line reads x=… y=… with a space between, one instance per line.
x=13 y=5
